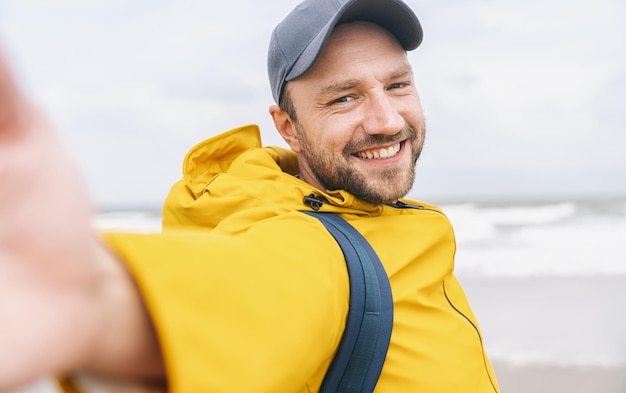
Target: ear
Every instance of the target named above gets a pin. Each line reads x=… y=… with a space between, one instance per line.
x=285 y=127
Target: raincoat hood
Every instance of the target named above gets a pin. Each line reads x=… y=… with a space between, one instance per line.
x=232 y=172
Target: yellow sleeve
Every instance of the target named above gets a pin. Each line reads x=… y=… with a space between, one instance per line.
x=246 y=313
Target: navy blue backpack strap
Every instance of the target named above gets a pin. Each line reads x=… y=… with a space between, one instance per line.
x=363 y=347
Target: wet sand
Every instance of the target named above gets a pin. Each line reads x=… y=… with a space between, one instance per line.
x=553 y=334
x=554 y=379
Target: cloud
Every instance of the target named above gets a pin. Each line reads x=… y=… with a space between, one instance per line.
x=512 y=91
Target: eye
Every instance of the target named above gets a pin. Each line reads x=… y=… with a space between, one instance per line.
x=398 y=85
x=341 y=100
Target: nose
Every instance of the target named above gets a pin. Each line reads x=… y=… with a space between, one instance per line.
x=381 y=116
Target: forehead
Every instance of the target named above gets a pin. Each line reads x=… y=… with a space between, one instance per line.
x=357 y=47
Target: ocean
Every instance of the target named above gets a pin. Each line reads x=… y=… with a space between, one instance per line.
x=546 y=280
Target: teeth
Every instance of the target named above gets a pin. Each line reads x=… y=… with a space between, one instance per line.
x=380 y=153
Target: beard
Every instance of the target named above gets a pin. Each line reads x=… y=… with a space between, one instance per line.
x=336 y=171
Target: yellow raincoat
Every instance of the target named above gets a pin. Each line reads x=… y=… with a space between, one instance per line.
x=248 y=294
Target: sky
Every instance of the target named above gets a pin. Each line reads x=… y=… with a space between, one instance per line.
x=523 y=100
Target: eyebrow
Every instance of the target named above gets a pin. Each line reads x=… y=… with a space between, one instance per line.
x=338 y=87
x=335 y=88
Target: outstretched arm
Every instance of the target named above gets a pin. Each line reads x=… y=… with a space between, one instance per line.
x=66 y=302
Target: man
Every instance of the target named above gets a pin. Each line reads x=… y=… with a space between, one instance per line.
x=243 y=292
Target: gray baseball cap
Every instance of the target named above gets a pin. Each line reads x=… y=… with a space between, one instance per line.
x=298 y=40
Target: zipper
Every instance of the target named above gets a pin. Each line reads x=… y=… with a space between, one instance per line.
x=316 y=202
x=403 y=205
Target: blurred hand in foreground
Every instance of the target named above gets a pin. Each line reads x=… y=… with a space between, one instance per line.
x=66 y=303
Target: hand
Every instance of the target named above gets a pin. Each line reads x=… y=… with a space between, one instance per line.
x=60 y=289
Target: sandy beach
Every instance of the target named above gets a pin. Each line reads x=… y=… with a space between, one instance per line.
x=560 y=379
x=553 y=334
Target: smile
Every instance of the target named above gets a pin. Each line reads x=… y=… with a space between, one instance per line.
x=379 y=154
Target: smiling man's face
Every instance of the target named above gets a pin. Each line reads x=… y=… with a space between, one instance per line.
x=359 y=124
